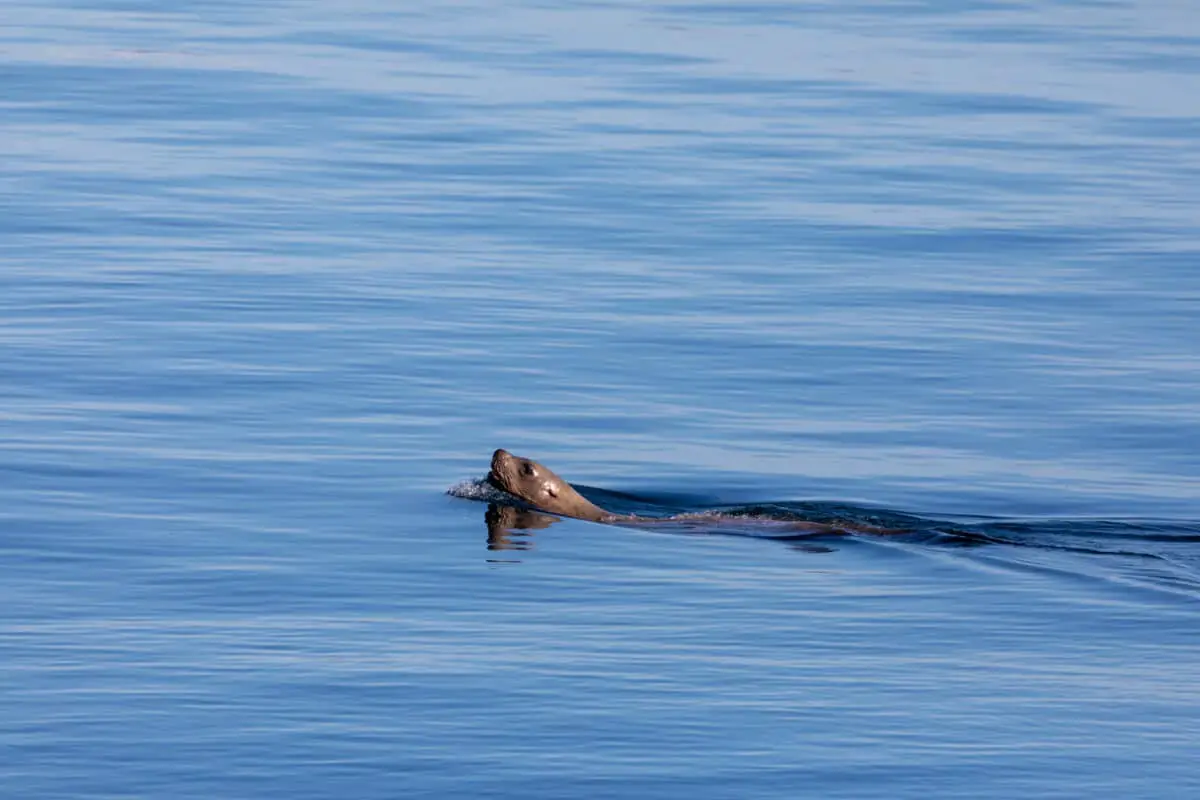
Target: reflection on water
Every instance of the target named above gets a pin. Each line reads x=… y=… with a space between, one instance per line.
x=508 y=528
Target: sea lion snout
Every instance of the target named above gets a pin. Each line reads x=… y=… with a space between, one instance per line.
x=500 y=460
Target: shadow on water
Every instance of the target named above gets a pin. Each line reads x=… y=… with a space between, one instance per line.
x=1164 y=552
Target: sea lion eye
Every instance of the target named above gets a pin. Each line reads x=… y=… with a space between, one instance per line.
x=527 y=468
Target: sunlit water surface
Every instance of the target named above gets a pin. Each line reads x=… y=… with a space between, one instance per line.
x=275 y=276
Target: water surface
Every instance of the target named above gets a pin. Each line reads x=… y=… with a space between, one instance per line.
x=274 y=277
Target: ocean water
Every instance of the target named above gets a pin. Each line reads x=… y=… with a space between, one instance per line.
x=276 y=278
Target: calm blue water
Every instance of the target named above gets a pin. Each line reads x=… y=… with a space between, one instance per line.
x=276 y=276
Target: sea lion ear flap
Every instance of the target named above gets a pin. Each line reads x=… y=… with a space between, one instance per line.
x=552 y=490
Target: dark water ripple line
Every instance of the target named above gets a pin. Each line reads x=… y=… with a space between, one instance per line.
x=1179 y=584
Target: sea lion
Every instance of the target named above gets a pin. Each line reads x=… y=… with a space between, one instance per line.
x=540 y=487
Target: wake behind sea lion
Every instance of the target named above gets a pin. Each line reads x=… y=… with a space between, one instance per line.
x=538 y=486
x=540 y=498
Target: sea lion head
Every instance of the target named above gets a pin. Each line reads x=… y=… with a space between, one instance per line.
x=524 y=478
x=537 y=485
